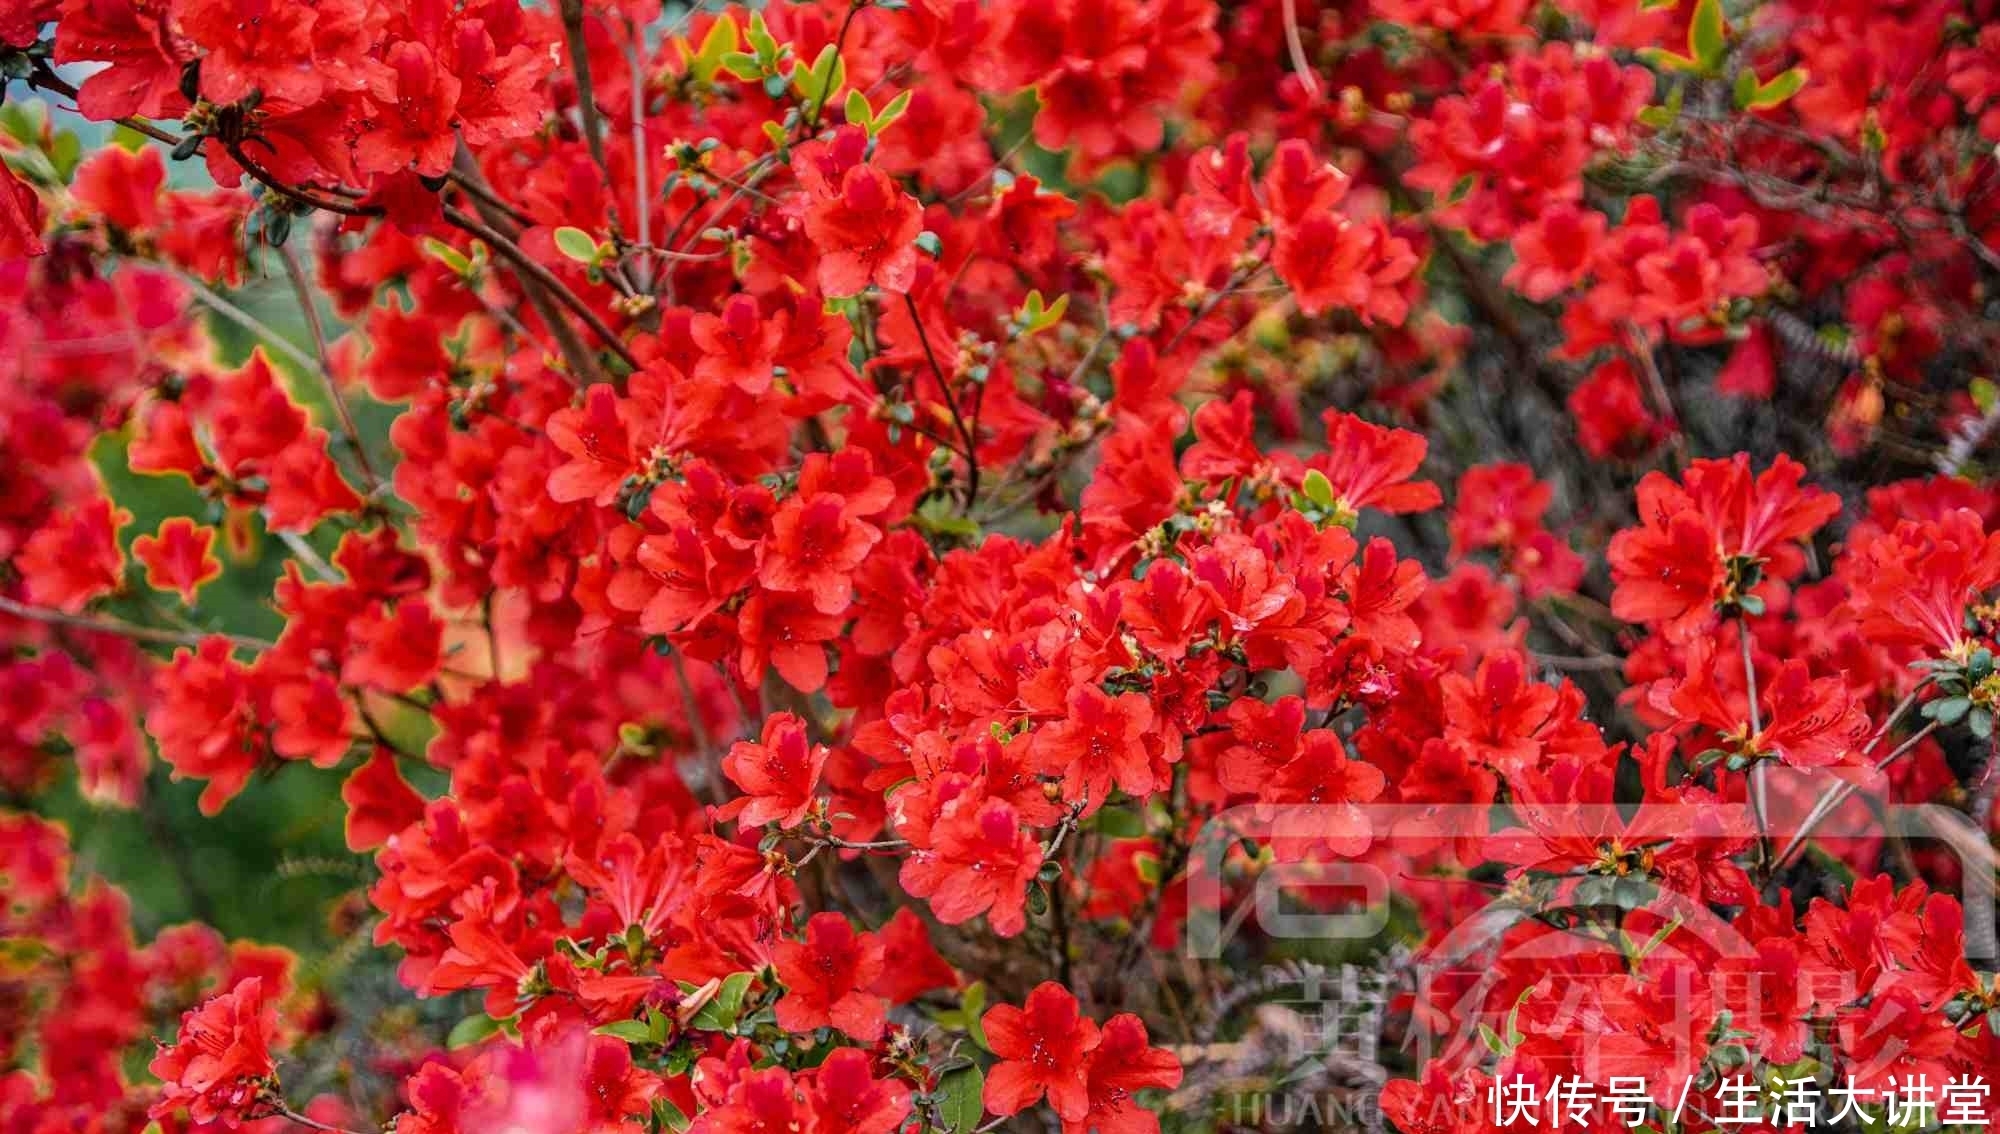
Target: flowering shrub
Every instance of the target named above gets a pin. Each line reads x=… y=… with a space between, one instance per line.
x=829 y=558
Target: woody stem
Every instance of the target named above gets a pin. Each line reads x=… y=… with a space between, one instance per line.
x=522 y=263
x=105 y=624
x=579 y=65
x=1759 y=801
x=46 y=79
x=290 y=1115
x=1838 y=794
x=302 y=288
x=951 y=404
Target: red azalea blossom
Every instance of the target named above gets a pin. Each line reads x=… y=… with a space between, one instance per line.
x=216 y=1067
x=831 y=568
x=1045 y=1049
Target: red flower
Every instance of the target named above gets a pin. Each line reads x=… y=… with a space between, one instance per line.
x=256 y=45
x=1768 y=997
x=218 y=1065
x=1370 y=467
x=980 y=861
x=380 y=802
x=815 y=545
x=1044 y=1049
x=827 y=977
x=1709 y=539
x=1752 y=369
x=1101 y=741
x=1808 y=722
x=863 y=225
x=20 y=217
x=911 y=965
x=779 y=774
x=415 y=99
x=144 y=54
x=598 y=444
x=846 y=1097
x=739 y=346
x=1611 y=415
x=1330 y=261
x=1327 y=786
x=75 y=558
x=787 y=633
x=1552 y=253
x=202 y=721
x=1499 y=713
x=178 y=558
x=1913 y=586
x=396 y=650
x=1125 y=1062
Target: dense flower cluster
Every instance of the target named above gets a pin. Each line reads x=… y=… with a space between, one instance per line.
x=831 y=555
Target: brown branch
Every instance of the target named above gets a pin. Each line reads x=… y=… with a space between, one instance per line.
x=105 y=624
x=302 y=288
x=526 y=265
x=957 y=419
x=586 y=98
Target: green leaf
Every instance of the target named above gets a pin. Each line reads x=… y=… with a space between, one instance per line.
x=972 y=1002
x=470 y=1031
x=959 y=1099
x=858 y=113
x=631 y=1031
x=891 y=112
x=743 y=65
x=717 y=47
x=1781 y=87
x=1980 y=721
x=760 y=38
x=576 y=244
x=1120 y=823
x=671 y=1117
x=1708 y=36
x=1948 y=710
x=1667 y=60
x=720 y=1013
x=820 y=82
x=451 y=257
x=929 y=243
x=1037 y=315
x=1317 y=488
x=1147 y=867
x=1746 y=88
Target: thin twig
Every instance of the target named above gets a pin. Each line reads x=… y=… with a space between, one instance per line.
x=1759 y=797
x=247 y=321
x=105 y=624
x=640 y=156
x=965 y=434
x=579 y=65
x=477 y=190
x=523 y=263
x=302 y=288
x=1293 y=44
x=46 y=79
x=1838 y=795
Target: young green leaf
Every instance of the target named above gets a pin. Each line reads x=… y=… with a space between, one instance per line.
x=959 y=1099
x=576 y=244
x=1780 y=88
x=1708 y=36
x=631 y=1031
